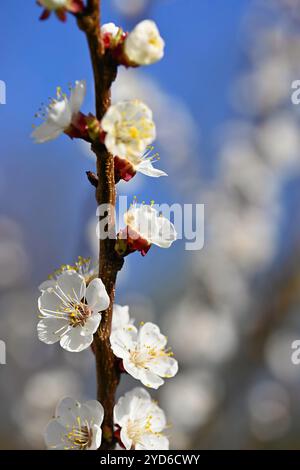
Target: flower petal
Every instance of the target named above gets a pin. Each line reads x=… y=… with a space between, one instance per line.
x=120 y=316
x=96 y=437
x=146 y=168
x=91 y=325
x=123 y=340
x=96 y=295
x=51 y=329
x=77 y=96
x=125 y=439
x=151 y=380
x=45 y=132
x=50 y=303
x=151 y=337
x=51 y=283
x=158 y=418
x=54 y=435
x=166 y=233
x=131 y=368
x=67 y=410
x=96 y=411
x=72 y=285
x=130 y=404
x=164 y=366
x=75 y=341
x=151 y=441
x=59 y=114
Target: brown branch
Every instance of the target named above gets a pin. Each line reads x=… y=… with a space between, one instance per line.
x=105 y=70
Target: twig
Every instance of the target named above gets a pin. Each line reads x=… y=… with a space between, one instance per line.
x=93 y=178
x=105 y=70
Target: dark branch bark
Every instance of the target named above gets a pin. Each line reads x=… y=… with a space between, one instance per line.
x=105 y=70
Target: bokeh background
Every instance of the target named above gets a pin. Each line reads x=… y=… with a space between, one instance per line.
x=229 y=137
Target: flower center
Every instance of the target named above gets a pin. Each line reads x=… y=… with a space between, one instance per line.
x=78 y=314
x=154 y=41
x=138 y=358
x=140 y=129
x=134 y=431
x=80 y=437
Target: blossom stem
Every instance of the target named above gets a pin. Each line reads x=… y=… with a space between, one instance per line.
x=105 y=71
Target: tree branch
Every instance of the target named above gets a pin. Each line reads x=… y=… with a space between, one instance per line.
x=105 y=71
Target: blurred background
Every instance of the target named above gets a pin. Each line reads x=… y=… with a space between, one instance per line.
x=228 y=136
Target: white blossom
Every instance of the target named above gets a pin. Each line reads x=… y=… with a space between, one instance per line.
x=141 y=422
x=151 y=226
x=110 y=28
x=121 y=317
x=143 y=353
x=76 y=426
x=60 y=113
x=129 y=129
x=65 y=317
x=144 y=45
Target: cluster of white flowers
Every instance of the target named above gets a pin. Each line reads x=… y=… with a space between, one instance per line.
x=139 y=423
x=127 y=128
x=70 y=311
x=73 y=299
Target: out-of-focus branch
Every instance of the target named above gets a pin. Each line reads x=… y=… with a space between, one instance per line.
x=105 y=70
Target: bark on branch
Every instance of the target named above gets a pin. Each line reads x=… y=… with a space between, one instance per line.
x=105 y=71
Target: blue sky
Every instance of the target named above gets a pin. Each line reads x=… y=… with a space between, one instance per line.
x=44 y=187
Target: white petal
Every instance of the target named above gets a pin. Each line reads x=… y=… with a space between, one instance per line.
x=158 y=418
x=146 y=168
x=130 y=368
x=125 y=439
x=166 y=233
x=75 y=341
x=96 y=411
x=60 y=114
x=45 y=132
x=50 y=330
x=120 y=317
x=51 y=283
x=143 y=220
x=153 y=442
x=140 y=404
x=151 y=380
x=91 y=325
x=96 y=437
x=67 y=410
x=96 y=295
x=54 y=435
x=77 y=96
x=72 y=285
x=164 y=366
x=151 y=337
x=123 y=340
x=50 y=303
x=128 y=404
